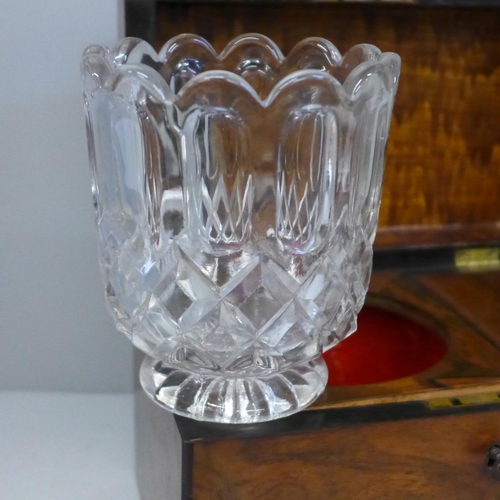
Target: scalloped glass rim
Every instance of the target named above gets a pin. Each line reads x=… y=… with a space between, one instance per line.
x=111 y=69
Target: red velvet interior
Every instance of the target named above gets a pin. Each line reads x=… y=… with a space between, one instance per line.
x=386 y=346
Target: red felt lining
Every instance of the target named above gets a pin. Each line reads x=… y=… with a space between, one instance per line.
x=386 y=346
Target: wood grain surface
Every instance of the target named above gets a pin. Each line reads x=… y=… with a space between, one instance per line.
x=442 y=182
x=428 y=459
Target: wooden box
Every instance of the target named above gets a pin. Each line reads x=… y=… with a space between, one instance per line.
x=425 y=435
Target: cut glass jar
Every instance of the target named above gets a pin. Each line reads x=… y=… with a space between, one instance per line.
x=236 y=198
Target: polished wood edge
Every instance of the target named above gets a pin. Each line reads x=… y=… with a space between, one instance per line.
x=321 y=419
x=414 y=259
x=433 y=236
x=461 y=258
x=423 y=396
x=187 y=470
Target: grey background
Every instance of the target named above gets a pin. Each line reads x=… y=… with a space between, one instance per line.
x=55 y=333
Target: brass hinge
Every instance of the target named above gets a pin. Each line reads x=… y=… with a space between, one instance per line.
x=477 y=259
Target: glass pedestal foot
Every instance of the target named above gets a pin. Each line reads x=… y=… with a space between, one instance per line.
x=228 y=399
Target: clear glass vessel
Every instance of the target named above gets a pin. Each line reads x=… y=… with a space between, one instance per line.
x=236 y=199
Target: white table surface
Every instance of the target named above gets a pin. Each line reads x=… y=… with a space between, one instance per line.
x=66 y=446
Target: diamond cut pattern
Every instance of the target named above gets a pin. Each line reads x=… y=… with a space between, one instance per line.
x=226 y=188
x=254 y=313
x=306 y=166
x=260 y=307
x=184 y=294
x=175 y=301
x=260 y=319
